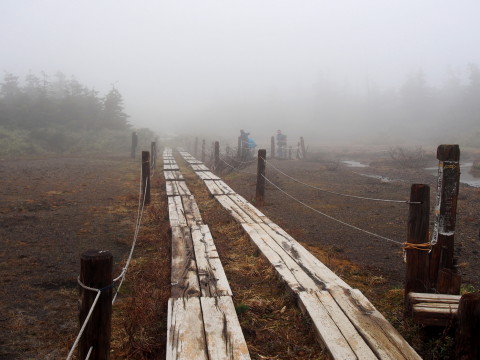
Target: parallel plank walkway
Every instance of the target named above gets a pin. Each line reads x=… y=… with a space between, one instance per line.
x=202 y=322
x=347 y=324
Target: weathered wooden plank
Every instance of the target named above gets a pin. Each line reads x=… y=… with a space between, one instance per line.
x=200 y=167
x=425 y=297
x=213 y=187
x=184 y=277
x=176 y=213
x=222 y=330
x=380 y=335
x=169 y=161
x=170 y=167
x=177 y=188
x=213 y=281
x=234 y=210
x=173 y=175
x=288 y=270
x=226 y=189
x=334 y=330
x=185 y=330
x=191 y=210
x=249 y=209
x=193 y=161
x=207 y=175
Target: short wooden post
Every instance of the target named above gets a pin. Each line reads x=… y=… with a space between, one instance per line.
x=239 y=148
x=217 y=154
x=196 y=147
x=290 y=153
x=445 y=217
x=153 y=151
x=260 y=189
x=96 y=272
x=203 y=150
x=416 y=277
x=146 y=176
x=134 y=144
x=272 y=148
x=467 y=339
x=302 y=146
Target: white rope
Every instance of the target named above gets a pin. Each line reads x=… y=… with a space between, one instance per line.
x=236 y=168
x=332 y=218
x=89 y=352
x=336 y=193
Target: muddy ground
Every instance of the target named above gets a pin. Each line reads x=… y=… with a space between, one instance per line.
x=53 y=209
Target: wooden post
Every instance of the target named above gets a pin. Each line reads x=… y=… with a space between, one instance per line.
x=272 y=148
x=134 y=144
x=416 y=277
x=290 y=153
x=196 y=147
x=153 y=151
x=96 y=272
x=239 y=148
x=203 y=150
x=260 y=189
x=146 y=176
x=217 y=154
x=467 y=339
x=302 y=146
x=445 y=217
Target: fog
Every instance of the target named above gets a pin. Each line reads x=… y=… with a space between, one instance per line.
x=333 y=71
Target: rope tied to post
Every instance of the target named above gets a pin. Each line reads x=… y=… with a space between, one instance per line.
x=422 y=246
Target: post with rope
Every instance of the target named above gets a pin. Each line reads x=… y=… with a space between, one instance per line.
x=96 y=273
x=203 y=150
x=239 y=148
x=272 y=148
x=146 y=176
x=196 y=147
x=134 y=145
x=260 y=189
x=417 y=245
x=217 y=155
x=153 y=151
x=442 y=271
x=302 y=146
x=290 y=153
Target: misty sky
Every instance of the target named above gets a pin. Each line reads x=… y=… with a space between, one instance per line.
x=178 y=61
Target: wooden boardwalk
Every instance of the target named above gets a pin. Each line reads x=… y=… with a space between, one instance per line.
x=347 y=324
x=202 y=322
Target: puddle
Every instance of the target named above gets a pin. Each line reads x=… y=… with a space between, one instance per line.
x=356 y=164
x=466 y=177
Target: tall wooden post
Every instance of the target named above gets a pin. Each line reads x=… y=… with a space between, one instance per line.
x=203 y=150
x=416 y=277
x=217 y=154
x=134 y=144
x=196 y=147
x=272 y=147
x=467 y=339
x=153 y=152
x=445 y=217
x=146 y=176
x=290 y=153
x=239 y=148
x=96 y=272
x=302 y=146
x=260 y=189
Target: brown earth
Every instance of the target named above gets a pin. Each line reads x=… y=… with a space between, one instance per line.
x=53 y=209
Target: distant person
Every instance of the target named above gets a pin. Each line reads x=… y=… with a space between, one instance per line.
x=281 y=145
x=251 y=145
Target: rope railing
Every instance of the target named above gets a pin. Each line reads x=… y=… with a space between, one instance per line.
x=236 y=168
x=121 y=277
x=337 y=193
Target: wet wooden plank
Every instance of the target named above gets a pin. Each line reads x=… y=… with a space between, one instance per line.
x=177 y=188
x=176 y=213
x=185 y=330
x=200 y=167
x=184 y=277
x=207 y=175
x=191 y=211
x=234 y=210
x=173 y=175
x=213 y=281
x=170 y=166
x=256 y=215
x=169 y=161
x=222 y=330
x=380 y=335
x=334 y=330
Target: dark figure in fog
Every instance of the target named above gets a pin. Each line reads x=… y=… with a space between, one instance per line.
x=281 y=145
x=244 y=144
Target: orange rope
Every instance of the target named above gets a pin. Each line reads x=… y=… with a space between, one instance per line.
x=422 y=246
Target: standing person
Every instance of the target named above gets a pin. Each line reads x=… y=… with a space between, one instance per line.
x=281 y=145
x=244 y=144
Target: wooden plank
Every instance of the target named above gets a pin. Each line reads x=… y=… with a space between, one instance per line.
x=185 y=330
x=170 y=167
x=191 y=211
x=234 y=210
x=248 y=208
x=222 y=330
x=176 y=213
x=213 y=187
x=435 y=309
x=415 y=298
x=177 y=188
x=184 y=277
x=334 y=330
x=287 y=269
x=380 y=335
x=207 y=175
x=169 y=161
x=200 y=167
x=226 y=189
x=193 y=161
x=173 y=175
